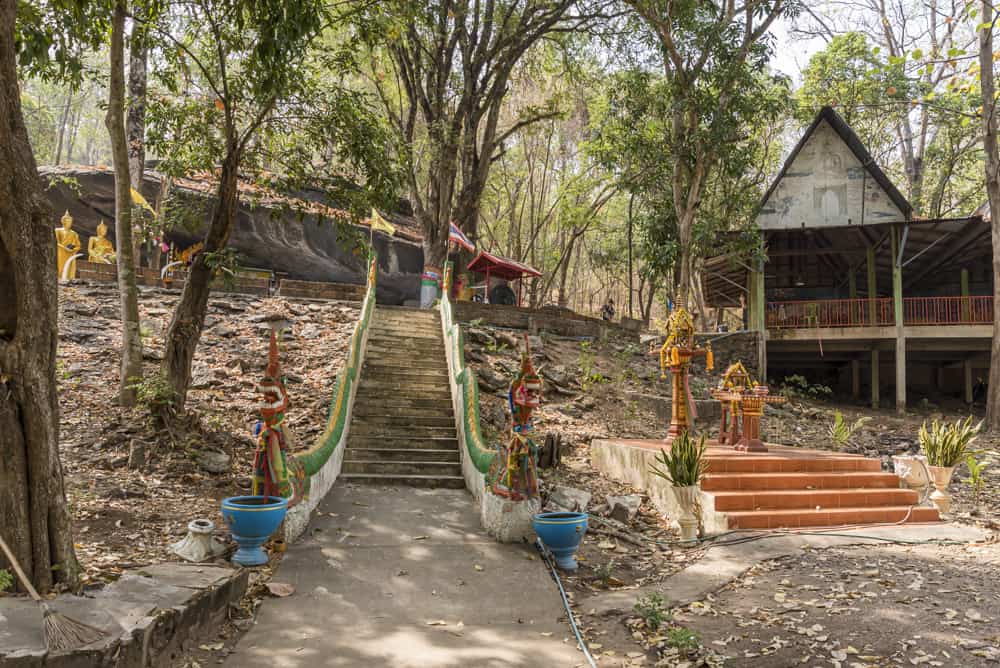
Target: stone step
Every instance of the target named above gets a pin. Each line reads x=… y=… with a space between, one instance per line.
x=366 y=428
x=784 y=481
x=750 y=463
x=402 y=347
x=777 y=519
x=368 y=396
x=402 y=455
x=404 y=443
x=807 y=499
x=437 y=375
x=410 y=467
x=434 y=481
x=379 y=327
x=378 y=387
x=404 y=420
x=406 y=361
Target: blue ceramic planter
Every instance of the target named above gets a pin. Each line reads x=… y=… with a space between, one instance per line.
x=252 y=520
x=561 y=533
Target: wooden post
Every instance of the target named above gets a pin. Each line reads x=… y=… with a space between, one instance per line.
x=872 y=287
x=967 y=377
x=875 y=397
x=966 y=310
x=855 y=379
x=758 y=320
x=897 y=310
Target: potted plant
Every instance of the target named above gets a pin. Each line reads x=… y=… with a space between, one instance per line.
x=946 y=445
x=683 y=466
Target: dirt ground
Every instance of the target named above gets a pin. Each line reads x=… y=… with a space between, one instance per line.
x=132 y=485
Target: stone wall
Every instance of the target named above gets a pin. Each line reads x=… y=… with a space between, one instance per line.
x=729 y=347
x=317 y=290
x=561 y=322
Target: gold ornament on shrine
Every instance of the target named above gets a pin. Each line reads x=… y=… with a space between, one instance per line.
x=676 y=354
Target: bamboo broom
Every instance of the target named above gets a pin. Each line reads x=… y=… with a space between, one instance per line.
x=61 y=632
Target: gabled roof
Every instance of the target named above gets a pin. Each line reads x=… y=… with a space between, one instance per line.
x=849 y=137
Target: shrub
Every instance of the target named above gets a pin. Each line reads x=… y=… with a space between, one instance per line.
x=976 y=469
x=653 y=610
x=841 y=433
x=6 y=580
x=947 y=444
x=683 y=638
x=684 y=463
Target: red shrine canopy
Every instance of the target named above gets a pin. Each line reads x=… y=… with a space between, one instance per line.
x=501 y=267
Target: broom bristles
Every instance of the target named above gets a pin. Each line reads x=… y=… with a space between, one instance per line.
x=63 y=633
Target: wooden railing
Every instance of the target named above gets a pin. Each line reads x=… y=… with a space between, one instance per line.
x=878 y=312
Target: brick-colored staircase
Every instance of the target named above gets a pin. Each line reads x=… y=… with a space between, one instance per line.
x=791 y=487
x=403 y=426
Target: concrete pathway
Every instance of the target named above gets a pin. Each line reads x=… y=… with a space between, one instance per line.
x=398 y=576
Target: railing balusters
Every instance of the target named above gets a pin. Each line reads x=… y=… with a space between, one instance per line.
x=950 y=310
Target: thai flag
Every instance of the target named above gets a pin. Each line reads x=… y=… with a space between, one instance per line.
x=455 y=236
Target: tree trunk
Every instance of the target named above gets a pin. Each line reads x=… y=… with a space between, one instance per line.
x=189 y=316
x=33 y=514
x=992 y=160
x=131 y=355
x=135 y=121
x=62 y=127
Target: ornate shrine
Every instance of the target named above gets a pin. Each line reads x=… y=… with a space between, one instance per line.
x=742 y=400
x=676 y=354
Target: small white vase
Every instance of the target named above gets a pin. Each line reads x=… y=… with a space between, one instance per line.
x=688 y=499
x=199 y=544
x=941 y=476
x=912 y=470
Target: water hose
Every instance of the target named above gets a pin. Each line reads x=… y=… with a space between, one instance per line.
x=542 y=550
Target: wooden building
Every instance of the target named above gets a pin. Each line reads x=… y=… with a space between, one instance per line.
x=856 y=290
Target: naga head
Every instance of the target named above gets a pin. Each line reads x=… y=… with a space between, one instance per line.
x=271 y=388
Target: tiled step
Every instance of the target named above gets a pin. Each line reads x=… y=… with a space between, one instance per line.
x=449 y=482
x=383 y=363
x=403 y=455
x=432 y=468
x=367 y=403
x=750 y=463
x=410 y=331
x=375 y=368
x=790 y=519
x=784 y=481
x=811 y=499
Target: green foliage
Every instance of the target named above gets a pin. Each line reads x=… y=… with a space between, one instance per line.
x=6 y=580
x=605 y=571
x=947 y=444
x=841 y=432
x=797 y=386
x=976 y=480
x=684 y=463
x=53 y=36
x=154 y=393
x=589 y=375
x=653 y=610
x=683 y=638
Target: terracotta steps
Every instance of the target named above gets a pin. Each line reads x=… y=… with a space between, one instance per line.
x=807 y=498
x=799 y=518
x=714 y=482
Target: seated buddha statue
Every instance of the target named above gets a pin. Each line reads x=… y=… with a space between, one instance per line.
x=99 y=248
x=68 y=245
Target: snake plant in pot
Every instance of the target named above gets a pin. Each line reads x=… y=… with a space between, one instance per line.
x=946 y=445
x=683 y=466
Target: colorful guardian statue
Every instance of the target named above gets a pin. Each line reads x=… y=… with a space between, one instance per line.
x=511 y=498
x=676 y=354
x=274 y=473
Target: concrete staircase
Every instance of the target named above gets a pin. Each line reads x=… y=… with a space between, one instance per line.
x=403 y=426
x=791 y=488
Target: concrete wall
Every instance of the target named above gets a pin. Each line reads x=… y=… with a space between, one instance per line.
x=826 y=186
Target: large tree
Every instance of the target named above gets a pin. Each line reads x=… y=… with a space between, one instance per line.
x=241 y=78
x=453 y=61
x=34 y=518
x=711 y=55
x=992 y=167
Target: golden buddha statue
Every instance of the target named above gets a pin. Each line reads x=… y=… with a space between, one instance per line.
x=68 y=245
x=100 y=248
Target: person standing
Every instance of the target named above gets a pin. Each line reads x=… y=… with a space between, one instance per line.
x=608 y=310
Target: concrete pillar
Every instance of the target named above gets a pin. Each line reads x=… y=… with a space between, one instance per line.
x=852 y=283
x=872 y=287
x=875 y=397
x=897 y=309
x=855 y=379
x=967 y=380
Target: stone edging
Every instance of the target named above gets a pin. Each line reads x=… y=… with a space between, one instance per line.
x=150 y=615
